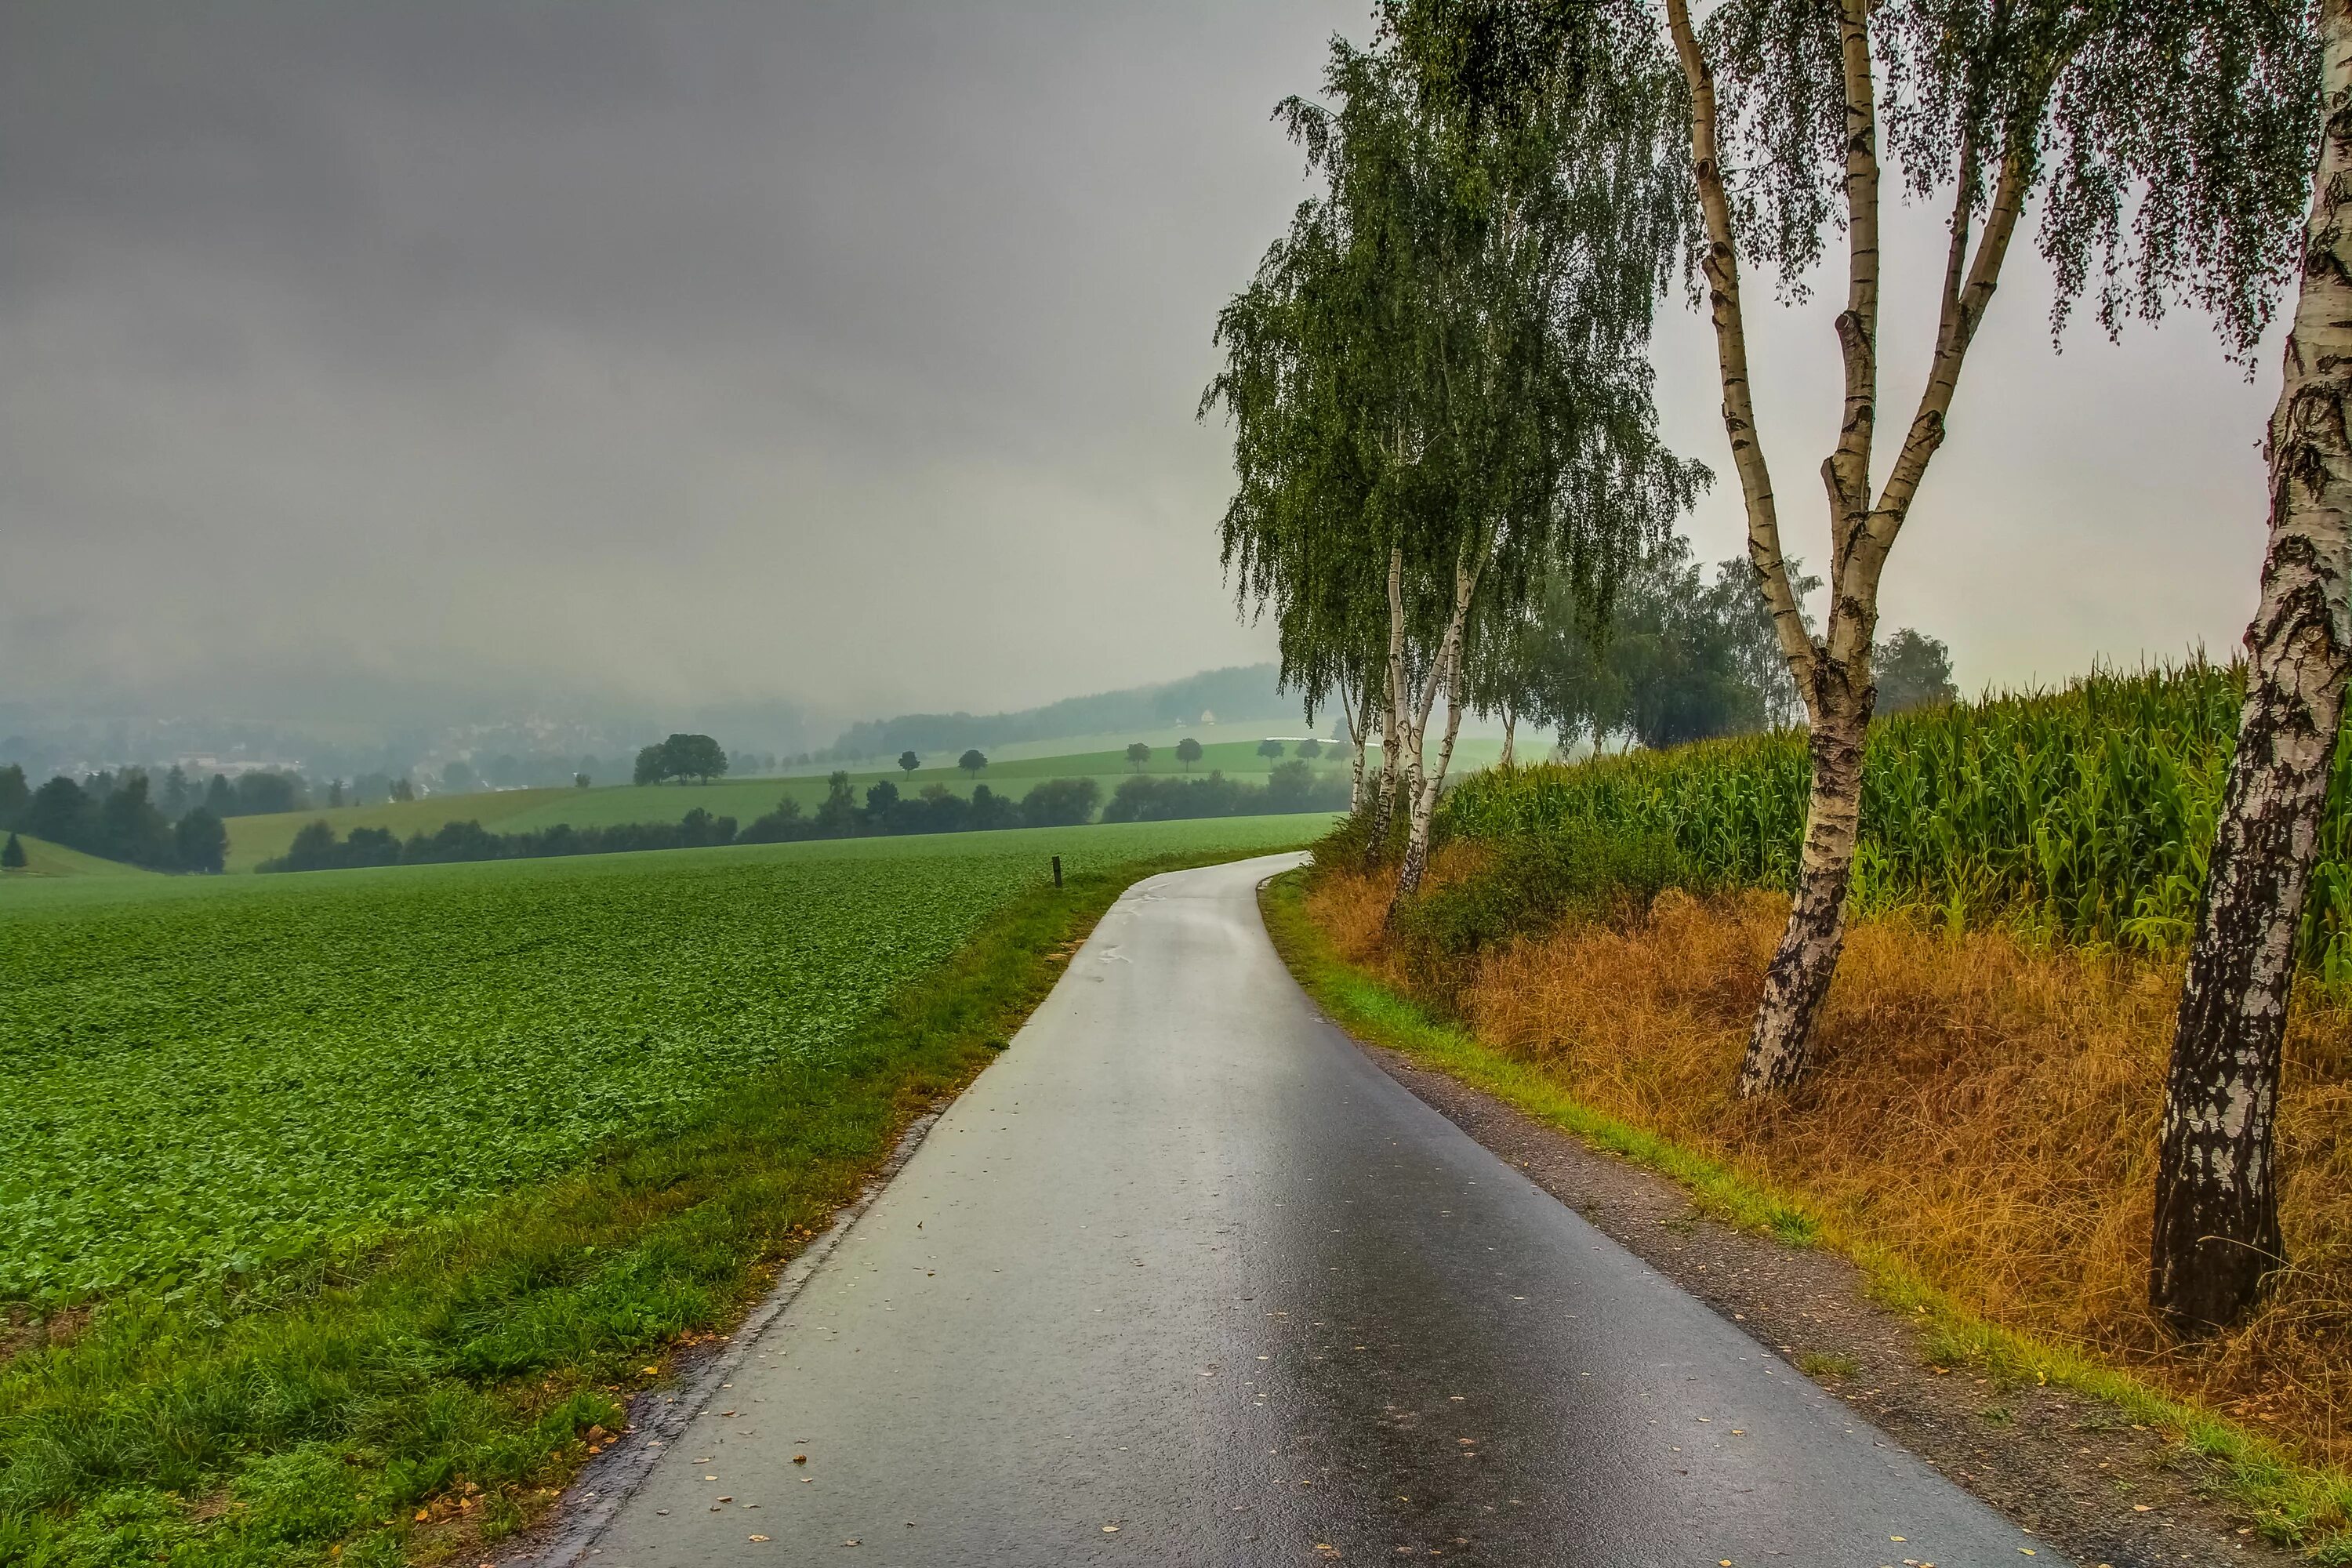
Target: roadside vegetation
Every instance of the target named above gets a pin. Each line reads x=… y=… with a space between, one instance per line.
x=343 y=1211
x=1987 y=1100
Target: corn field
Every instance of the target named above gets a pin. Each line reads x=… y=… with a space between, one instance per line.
x=2086 y=814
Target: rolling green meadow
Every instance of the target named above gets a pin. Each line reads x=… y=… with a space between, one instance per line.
x=253 y=840
x=326 y=1196
x=44 y=861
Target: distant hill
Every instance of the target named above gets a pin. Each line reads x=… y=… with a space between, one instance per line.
x=1243 y=691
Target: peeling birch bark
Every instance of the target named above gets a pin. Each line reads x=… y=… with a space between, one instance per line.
x=2217 y=1229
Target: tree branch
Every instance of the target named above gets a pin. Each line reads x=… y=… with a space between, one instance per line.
x=1720 y=266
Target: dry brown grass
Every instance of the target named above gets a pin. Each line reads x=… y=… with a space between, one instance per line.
x=1984 y=1108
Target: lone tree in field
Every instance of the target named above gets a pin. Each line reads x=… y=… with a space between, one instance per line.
x=1310 y=748
x=908 y=762
x=1271 y=749
x=1138 y=753
x=12 y=855
x=2168 y=141
x=1187 y=751
x=696 y=757
x=971 y=762
x=2217 y=1227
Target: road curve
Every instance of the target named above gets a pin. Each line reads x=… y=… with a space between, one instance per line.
x=1184 y=1277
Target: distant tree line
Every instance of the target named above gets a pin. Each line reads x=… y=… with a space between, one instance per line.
x=316 y=847
x=1676 y=656
x=1052 y=803
x=883 y=812
x=113 y=816
x=1292 y=786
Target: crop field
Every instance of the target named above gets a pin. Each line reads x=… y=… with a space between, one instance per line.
x=2086 y=812
x=198 y=1076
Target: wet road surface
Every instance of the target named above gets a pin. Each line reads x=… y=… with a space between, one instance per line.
x=1185 y=1278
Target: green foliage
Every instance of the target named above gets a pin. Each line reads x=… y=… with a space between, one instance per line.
x=12 y=854
x=1187 y=751
x=1442 y=364
x=2087 y=813
x=1672 y=658
x=200 y=841
x=971 y=762
x=1061 y=803
x=1912 y=669
x=908 y=762
x=1292 y=787
x=1270 y=749
x=1138 y=753
x=1533 y=881
x=696 y=757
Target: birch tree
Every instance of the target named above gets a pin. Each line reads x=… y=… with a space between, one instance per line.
x=2166 y=143
x=2217 y=1226
x=1439 y=394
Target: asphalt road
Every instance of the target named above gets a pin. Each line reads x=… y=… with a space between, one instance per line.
x=1185 y=1278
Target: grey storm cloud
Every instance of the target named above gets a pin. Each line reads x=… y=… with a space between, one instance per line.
x=841 y=353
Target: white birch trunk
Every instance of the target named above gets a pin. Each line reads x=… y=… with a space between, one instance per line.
x=1376 y=836
x=2217 y=1228
x=1446 y=672
x=1358 y=716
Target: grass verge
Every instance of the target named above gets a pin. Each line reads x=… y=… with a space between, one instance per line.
x=432 y=1395
x=2292 y=1503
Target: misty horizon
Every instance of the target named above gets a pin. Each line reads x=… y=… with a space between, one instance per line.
x=431 y=366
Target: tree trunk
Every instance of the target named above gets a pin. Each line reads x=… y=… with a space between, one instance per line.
x=1799 y=974
x=1510 y=737
x=1427 y=786
x=1359 y=729
x=1376 y=841
x=2217 y=1229
x=1446 y=672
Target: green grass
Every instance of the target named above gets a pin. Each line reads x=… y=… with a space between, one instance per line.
x=2292 y=1503
x=45 y=860
x=254 y=1416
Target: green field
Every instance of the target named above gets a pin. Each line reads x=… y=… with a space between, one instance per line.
x=253 y=840
x=199 y=1075
x=44 y=861
x=387 y=1184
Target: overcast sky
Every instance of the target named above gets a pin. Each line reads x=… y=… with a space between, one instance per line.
x=846 y=352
